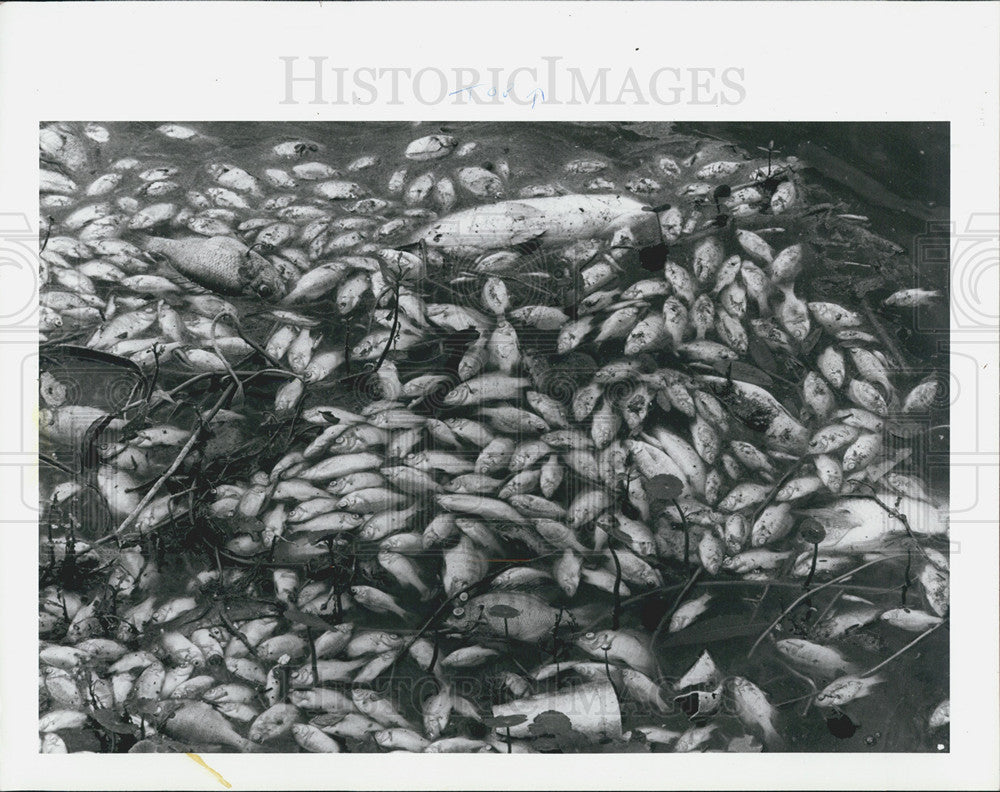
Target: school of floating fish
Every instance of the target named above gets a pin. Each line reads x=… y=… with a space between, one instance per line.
x=508 y=427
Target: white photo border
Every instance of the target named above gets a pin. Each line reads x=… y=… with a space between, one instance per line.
x=816 y=61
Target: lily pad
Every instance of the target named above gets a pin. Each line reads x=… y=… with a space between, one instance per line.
x=110 y=721
x=812 y=531
x=663 y=487
x=550 y=722
x=504 y=721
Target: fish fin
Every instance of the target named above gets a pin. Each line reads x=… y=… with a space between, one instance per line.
x=249 y=746
x=527 y=242
x=773 y=740
x=187 y=285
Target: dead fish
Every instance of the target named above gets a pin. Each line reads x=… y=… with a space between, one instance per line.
x=910 y=620
x=846 y=689
x=911 y=298
x=941 y=715
x=689 y=612
x=223 y=264
x=198 y=722
x=756 y=712
x=814 y=658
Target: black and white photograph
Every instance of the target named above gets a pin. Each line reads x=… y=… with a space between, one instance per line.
x=617 y=437
x=499 y=395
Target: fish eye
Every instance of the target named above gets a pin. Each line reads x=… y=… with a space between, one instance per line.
x=265 y=291
x=589 y=635
x=463 y=597
x=458 y=612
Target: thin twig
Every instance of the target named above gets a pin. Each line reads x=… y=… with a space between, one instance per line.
x=392 y=330
x=724 y=583
x=804 y=678
x=178 y=461
x=786 y=476
x=677 y=603
x=222 y=358
x=915 y=641
x=877 y=325
x=805 y=596
x=450 y=599
x=617 y=613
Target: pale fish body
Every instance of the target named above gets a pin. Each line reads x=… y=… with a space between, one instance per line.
x=378 y=708
x=846 y=689
x=404 y=570
x=755 y=246
x=619 y=323
x=689 y=612
x=755 y=560
x=694 y=738
x=799 y=488
x=756 y=711
x=829 y=471
x=376 y=600
x=535 y=616
x=817 y=395
x=831 y=366
x=557 y=219
x=314 y=739
x=274 y=722
x=774 y=523
x=223 y=264
x=815 y=659
x=862 y=452
x=464 y=565
x=488 y=508
x=793 y=314
x=921 y=398
x=871 y=367
x=910 y=298
x=910 y=620
x=622 y=646
x=940 y=716
x=198 y=722
x=834 y=317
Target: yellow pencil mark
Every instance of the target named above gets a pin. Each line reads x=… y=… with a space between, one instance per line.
x=216 y=773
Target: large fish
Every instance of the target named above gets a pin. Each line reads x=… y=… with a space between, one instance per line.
x=222 y=264
x=563 y=218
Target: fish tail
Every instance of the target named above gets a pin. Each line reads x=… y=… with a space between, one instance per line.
x=249 y=746
x=152 y=244
x=773 y=740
